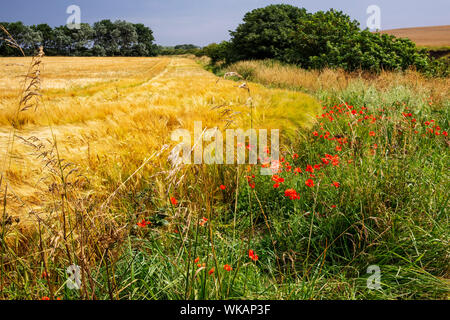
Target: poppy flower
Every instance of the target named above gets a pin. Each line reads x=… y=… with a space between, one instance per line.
x=173 y=201
x=277 y=179
x=196 y=260
x=143 y=223
x=210 y=272
x=45 y=298
x=338 y=148
x=252 y=255
x=372 y=133
x=309 y=183
x=203 y=221
x=276 y=185
x=291 y=194
x=336 y=184
x=222 y=187
x=227 y=267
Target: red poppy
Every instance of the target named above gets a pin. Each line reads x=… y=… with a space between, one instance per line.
x=222 y=187
x=210 y=272
x=336 y=184
x=277 y=179
x=196 y=260
x=227 y=267
x=203 y=221
x=309 y=183
x=291 y=194
x=173 y=201
x=372 y=133
x=252 y=255
x=276 y=185
x=143 y=223
x=45 y=298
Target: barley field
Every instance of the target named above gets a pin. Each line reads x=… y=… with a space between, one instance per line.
x=87 y=180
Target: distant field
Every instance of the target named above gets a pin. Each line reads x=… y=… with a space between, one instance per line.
x=437 y=36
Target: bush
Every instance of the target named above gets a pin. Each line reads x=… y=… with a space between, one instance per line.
x=266 y=32
x=321 y=40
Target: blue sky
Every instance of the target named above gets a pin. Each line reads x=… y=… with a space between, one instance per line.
x=204 y=21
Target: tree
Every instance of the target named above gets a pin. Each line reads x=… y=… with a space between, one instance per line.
x=27 y=38
x=332 y=39
x=218 y=52
x=266 y=32
x=126 y=36
x=145 y=46
x=106 y=37
x=47 y=37
x=62 y=40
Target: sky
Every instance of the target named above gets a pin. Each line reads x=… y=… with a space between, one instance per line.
x=202 y=22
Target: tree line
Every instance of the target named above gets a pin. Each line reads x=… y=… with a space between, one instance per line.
x=103 y=38
x=324 y=39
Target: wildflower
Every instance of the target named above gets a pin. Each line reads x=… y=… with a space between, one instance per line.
x=44 y=275
x=297 y=170
x=309 y=168
x=227 y=267
x=173 y=201
x=143 y=223
x=203 y=221
x=210 y=272
x=445 y=133
x=338 y=148
x=222 y=187
x=45 y=298
x=309 y=183
x=336 y=184
x=276 y=185
x=291 y=194
x=197 y=260
x=252 y=255
x=372 y=133
x=277 y=179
